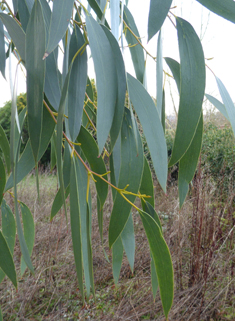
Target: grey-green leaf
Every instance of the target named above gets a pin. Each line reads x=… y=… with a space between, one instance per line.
x=121 y=90
x=192 y=88
x=6 y=260
x=188 y=163
x=106 y=79
x=2 y=179
x=162 y=260
x=218 y=105
x=131 y=169
x=159 y=74
x=228 y=103
x=128 y=241
x=61 y=14
x=225 y=8
x=29 y=232
x=152 y=127
x=35 y=66
x=146 y=186
x=158 y=11
x=2 y=50
x=5 y=146
x=16 y=33
x=26 y=161
x=137 y=52
x=77 y=84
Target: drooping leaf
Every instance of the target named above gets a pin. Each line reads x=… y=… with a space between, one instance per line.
x=8 y=230
x=2 y=50
x=29 y=232
x=228 y=103
x=121 y=88
x=162 y=260
x=151 y=123
x=61 y=14
x=175 y=69
x=35 y=47
x=6 y=260
x=163 y=111
x=115 y=13
x=78 y=82
x=192 y=88
x=88 y=107
x=117 y=254
x=188 y=163
x=137 y=52
x=149 y=209
x=58 y=202
x=26 y=162
x=146 y=187
x=4 y=145
x=128 y=241
x=159 y=74
x=131 y=169
x=106 y=79
x=98 y=10
x=154 y=280
x=218 y=105
x=16 y=33
x=225 y=8
x=24 y=14
x=52 y=83
x=2 y=179
x=53 y=152
x=80 y=222
x=158 y=11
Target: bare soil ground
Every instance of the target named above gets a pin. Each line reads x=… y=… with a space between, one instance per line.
x=201 y=242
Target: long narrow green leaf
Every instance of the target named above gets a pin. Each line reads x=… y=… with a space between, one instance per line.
x=146 y=187
x=26 y=162
x=2 y=179
x=121 y=90
x=6 y=260
x=188 y=163
x=218 y=105
x=16 y=33
x=149 y=209
x=53 y=152
x=60 y=135
x=78 y=82
x=35 y=66
x=162 y=260
x=5 y=146
x=225 y=8
x=61 y=14
x=192 y=88
x=152 y=127
x=80 y=225
x=130 y=174
x=128 y=241
x=175 y=69
x=98 y=10
x=24 y=14
x=88 y=106
x=154 y=280
x=158 y=11
x=137 y=52
x=117 y=253
x=2 y=50
x=8 y=230
x=106 y=79
x=29 y=232
x=58 y=202
x=115 y=13
x=52 y=83
x=228 y=103
x=159 y=74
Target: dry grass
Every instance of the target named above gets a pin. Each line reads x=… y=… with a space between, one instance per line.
x=200 y=238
